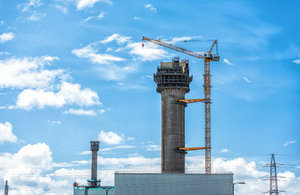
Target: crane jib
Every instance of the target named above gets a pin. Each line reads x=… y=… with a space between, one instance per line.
x=208 y=55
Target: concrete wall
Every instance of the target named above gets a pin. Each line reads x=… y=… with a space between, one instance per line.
x=173 y=130
x=173 y=184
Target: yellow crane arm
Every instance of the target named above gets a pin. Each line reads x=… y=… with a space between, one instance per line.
x=212 y=47
x=188 y=101
x=194 y=148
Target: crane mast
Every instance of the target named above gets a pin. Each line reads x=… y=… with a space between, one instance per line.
x=207 y=121
x=208 y=56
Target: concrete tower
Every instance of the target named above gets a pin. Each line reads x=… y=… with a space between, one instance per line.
x=94 y=148
x=6 y=188
x=172 y=79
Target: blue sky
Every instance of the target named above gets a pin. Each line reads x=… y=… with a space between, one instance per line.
x=74 y=71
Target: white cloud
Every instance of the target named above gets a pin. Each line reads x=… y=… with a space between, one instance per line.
x=4 y=53
x=27 y=72
x=150 y=7
x=113 y=71
x=227 y=62
x=81 y=112
x=289 y=142
x=137 y=18
x=179 y=39
x=117 y=147
x=68 y=94
x=184 y=39
x=91 y=54
x=149 y=52
x=101 y=15
x=52 y=123
x=117 y=72
x=110 y=137
x=36 y=16
x=31 y=3
x=224 y=150
x=116 y=37
x=50 y=58
x=6 y=37
x=87 y=152
x=101 y=111
x=132 y=160
x=138 y=51
x=297 y=61
x=109 y=49
x=61 y=8
x=83 y=4
x=239 y=166
x=130 y=138
x=42 y=87
x=108 y=69
x=88 y=18
x=153 y=147
x=247 y=80
x=28 y=171
x=6 y=134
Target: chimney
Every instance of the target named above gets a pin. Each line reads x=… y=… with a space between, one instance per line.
x=94 y=148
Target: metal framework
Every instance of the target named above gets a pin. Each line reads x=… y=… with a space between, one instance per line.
x=273 y=177
x=207 y=120
x=208 y=56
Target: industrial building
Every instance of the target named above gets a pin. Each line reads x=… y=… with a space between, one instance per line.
x=173 y=184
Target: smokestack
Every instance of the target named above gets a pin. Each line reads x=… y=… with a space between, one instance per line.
x=94 y=149
x=6 y=188
x=173 y=80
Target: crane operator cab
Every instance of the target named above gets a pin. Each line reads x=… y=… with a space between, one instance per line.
x=211 y=56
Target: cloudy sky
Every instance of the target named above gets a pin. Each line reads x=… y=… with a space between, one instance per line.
x=72 y=71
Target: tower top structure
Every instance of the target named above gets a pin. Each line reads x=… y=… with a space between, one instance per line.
x=173 y=74
x=95 y=145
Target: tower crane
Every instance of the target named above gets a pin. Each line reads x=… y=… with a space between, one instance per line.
x=207 y=56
